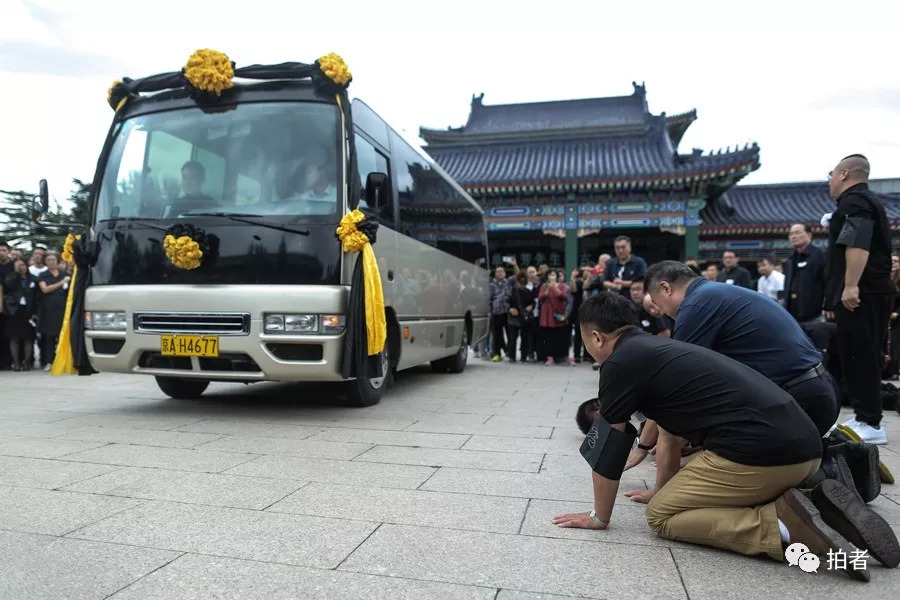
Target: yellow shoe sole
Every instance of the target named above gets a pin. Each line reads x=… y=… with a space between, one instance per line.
x=885 y=473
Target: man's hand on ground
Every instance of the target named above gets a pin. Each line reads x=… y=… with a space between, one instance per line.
x=641 y=496
x=635 y=457
x=577 y=521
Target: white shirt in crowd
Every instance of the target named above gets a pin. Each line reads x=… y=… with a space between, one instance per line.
x=771 y=285
x=35 y=270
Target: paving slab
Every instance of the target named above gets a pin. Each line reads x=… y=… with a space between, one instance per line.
x=54 y=512
x=393 y=438
x=514 y=595
x=197 y=577
x=335 y=471
x=307 y=448
x=436 y=426
x=722 y=575
x=50 y=568
x=523 y=445
x=521 y=485
x=269 y=430
x=42 y=447
x=181 y=459
x=131 y=421
x=212 y=489
x=35 y=430
x=524 y=563
x=141 y=437
x=409 y=507
x=471 y=459
x=49 y=474
x=250 y=534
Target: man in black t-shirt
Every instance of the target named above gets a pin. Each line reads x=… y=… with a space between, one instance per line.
x=758 y=444
x=859 y=290
x=650 y=323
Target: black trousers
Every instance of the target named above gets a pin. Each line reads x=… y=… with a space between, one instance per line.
x=48 y=348
x=818 y=399
x=861 y=335
x=5 y=356
x=523 y=331
x=556 y=342
x=498 y=332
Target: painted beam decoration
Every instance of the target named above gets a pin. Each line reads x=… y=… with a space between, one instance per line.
x=594 y=215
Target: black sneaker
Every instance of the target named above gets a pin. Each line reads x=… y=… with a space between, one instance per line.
x=842 y=510
x=834 y=466
x=806 y=526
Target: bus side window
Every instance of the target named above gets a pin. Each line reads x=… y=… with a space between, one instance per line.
x=370 y=160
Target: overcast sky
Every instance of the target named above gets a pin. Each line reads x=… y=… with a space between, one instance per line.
x=809 y=81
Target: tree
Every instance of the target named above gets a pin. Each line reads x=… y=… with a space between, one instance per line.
x=19 y=230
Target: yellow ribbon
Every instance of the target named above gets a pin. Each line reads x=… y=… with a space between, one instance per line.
x=353 y=240
x=64 y=363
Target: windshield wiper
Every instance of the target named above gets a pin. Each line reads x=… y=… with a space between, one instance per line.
x=239 y=217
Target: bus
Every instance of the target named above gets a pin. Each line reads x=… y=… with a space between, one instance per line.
x=264 y=172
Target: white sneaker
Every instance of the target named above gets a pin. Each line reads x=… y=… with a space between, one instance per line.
x=867 y=433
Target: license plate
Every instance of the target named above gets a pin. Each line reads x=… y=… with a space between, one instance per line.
x=189 y=345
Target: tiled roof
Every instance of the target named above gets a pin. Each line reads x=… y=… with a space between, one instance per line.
x=752 y=207
x=641 y=160
x=618 y=113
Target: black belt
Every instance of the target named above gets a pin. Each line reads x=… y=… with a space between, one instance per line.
x=816 y=371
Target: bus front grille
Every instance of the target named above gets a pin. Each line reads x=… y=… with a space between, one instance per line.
x=209 y=323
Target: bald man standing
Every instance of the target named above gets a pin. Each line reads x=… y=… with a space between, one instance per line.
x=859 y=290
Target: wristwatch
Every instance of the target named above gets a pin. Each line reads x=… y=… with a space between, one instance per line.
x=597 y=520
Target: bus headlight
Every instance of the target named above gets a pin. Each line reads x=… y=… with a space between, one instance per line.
x=105 y=321
x=291 y=323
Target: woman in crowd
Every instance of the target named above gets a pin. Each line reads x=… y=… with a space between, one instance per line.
x=54 y=284
x=521 y=318
x=554 y=323
x=892 y=342
x=19 y=299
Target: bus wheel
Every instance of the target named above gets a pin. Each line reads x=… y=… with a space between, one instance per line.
x=182 y=389
x=367 y=391
x=455 y=363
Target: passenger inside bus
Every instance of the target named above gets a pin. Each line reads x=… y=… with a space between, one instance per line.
x=193 y=177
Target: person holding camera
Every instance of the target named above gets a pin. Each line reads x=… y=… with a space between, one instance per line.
x=554 y=322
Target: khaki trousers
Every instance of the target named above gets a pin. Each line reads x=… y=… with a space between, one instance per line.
x=716 y=502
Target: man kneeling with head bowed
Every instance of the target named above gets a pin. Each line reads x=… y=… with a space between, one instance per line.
x=757 y=445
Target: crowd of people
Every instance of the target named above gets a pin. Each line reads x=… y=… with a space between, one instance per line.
x=33 y=292
x=741 y=405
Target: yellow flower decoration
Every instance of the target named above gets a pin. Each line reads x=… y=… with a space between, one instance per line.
x=209 y=71
x=67 y=254
x=335 y=69
x=352 y=240
x=184 y=252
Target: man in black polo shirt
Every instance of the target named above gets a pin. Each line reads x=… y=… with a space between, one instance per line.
x=621 y=270
x=751 y=329
x=733 y=273
x=758 y=444
x=804 y=276
x=860 y=290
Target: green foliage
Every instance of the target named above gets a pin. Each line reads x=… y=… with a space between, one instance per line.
x=20 y=231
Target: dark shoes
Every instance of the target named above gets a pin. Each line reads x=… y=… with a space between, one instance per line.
x=842 y=510
x=862 y=460
x=806 y=526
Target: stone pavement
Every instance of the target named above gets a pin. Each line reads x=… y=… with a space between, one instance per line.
x=445 y=490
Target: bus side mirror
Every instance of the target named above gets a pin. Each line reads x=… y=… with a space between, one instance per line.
x=376 y=189
x=41 y=202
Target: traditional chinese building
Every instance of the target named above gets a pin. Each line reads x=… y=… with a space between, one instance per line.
x=754 y=220
x=558 y=181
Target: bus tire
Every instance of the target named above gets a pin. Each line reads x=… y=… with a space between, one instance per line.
x=366 y=391
x=182 y=389
x=457 y=362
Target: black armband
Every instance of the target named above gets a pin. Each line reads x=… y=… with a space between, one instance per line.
x=856 y=233
x=606 y=448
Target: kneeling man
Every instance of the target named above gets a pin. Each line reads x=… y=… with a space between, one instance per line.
x=758 y=444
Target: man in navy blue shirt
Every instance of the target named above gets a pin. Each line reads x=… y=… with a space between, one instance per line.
x=749 y=328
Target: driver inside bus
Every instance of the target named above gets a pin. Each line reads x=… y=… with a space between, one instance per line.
x=193 y=177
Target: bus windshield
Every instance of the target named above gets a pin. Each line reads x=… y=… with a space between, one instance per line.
x=273 y=158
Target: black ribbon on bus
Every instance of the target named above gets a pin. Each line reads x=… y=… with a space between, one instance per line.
x=85 y=254
x=356 y=362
